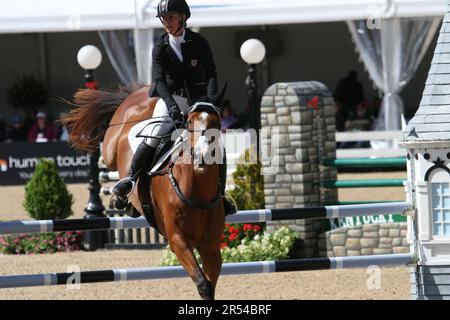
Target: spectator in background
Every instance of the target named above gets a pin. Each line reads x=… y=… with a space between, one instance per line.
x=358 y=121
x=348 y=94
x=18 y=132
x=41 y=131
x=62 y=132
x=229 y=121
x=2 y=129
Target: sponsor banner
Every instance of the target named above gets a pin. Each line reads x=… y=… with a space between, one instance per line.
x=358 y=221
x=18 y=161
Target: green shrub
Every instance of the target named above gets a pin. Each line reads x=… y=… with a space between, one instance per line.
x=248 y=192
x=46 y=195
x=40 y=243
x=263 y=247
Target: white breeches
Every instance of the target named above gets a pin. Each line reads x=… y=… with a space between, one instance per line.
x=166 y=125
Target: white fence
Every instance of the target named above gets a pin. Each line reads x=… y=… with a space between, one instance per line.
x=384 y=144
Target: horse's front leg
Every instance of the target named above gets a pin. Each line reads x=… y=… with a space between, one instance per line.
x=211 y=262
x=184 y=252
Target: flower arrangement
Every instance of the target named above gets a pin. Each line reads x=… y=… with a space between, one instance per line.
x=233 y=234
x=40 y=243
x=263 y=247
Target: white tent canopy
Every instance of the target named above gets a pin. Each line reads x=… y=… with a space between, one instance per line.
x=215 y=13
x=28 y=16
x=18 y=16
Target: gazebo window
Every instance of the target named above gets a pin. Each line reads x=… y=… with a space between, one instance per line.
x=440 y=203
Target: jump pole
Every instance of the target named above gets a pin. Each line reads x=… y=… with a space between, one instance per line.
x=247 y=216
x=119 y=275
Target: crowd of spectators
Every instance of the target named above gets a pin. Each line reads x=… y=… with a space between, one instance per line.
x=353 y=113
x=37 y=129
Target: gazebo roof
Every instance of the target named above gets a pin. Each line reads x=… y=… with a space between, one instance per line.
x=432 y=119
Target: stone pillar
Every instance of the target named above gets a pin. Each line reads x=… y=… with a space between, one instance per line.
x=300 y=117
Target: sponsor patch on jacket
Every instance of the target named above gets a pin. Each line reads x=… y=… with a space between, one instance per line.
x=194 y=63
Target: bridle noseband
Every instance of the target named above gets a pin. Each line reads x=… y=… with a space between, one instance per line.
x=198 y=107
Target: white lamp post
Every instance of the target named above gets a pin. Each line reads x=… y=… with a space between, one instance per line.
x=253 y=52
x=89 y=57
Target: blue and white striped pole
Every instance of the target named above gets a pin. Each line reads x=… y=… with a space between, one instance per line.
x=118 y=275
x=247 y=216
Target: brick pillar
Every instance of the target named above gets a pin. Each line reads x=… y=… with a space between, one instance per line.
x=300 y=117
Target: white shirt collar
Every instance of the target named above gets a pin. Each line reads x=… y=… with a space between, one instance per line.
x=175 y=44
x=179 y=39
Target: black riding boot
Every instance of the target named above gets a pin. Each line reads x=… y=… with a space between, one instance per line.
x=141 y=160
x=229 y=208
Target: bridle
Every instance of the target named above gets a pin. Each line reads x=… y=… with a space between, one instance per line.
x=198 y=107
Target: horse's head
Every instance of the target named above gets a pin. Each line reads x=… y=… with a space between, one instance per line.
x=203 y=125
x=204 y=136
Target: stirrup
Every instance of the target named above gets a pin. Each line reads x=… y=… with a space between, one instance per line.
x=116 y=187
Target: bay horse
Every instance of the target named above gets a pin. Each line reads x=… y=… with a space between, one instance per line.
x=109 y=115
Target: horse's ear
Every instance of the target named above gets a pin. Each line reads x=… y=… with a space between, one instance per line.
x=219 y=96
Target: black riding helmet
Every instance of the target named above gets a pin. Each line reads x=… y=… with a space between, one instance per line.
x=166 y=7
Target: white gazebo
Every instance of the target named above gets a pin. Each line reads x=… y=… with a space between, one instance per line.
x=427 y=140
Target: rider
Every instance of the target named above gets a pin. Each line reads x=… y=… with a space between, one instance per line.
x=183 y=66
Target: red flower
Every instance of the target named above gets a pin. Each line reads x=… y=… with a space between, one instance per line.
x=232 y=237
x=222 y=237
x=234 y=230
x=256 y=228
x=247 y=226
x=223 y=245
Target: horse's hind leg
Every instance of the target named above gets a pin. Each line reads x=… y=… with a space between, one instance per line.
x=211 y=262
x=185 y=255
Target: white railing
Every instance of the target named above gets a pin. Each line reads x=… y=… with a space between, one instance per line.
x=384 y=144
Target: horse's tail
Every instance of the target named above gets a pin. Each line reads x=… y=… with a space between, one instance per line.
x=88 y=122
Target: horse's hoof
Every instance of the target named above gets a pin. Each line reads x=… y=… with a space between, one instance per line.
x=205 y=290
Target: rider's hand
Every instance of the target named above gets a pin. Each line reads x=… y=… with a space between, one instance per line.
x=176 y=114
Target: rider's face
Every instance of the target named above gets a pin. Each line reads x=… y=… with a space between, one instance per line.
x=172 y=22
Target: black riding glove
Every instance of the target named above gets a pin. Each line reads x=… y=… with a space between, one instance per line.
x=176 y=115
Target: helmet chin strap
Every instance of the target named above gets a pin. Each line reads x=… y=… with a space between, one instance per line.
x=182 y=24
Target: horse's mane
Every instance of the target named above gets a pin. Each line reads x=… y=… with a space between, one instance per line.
x=88 y=122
